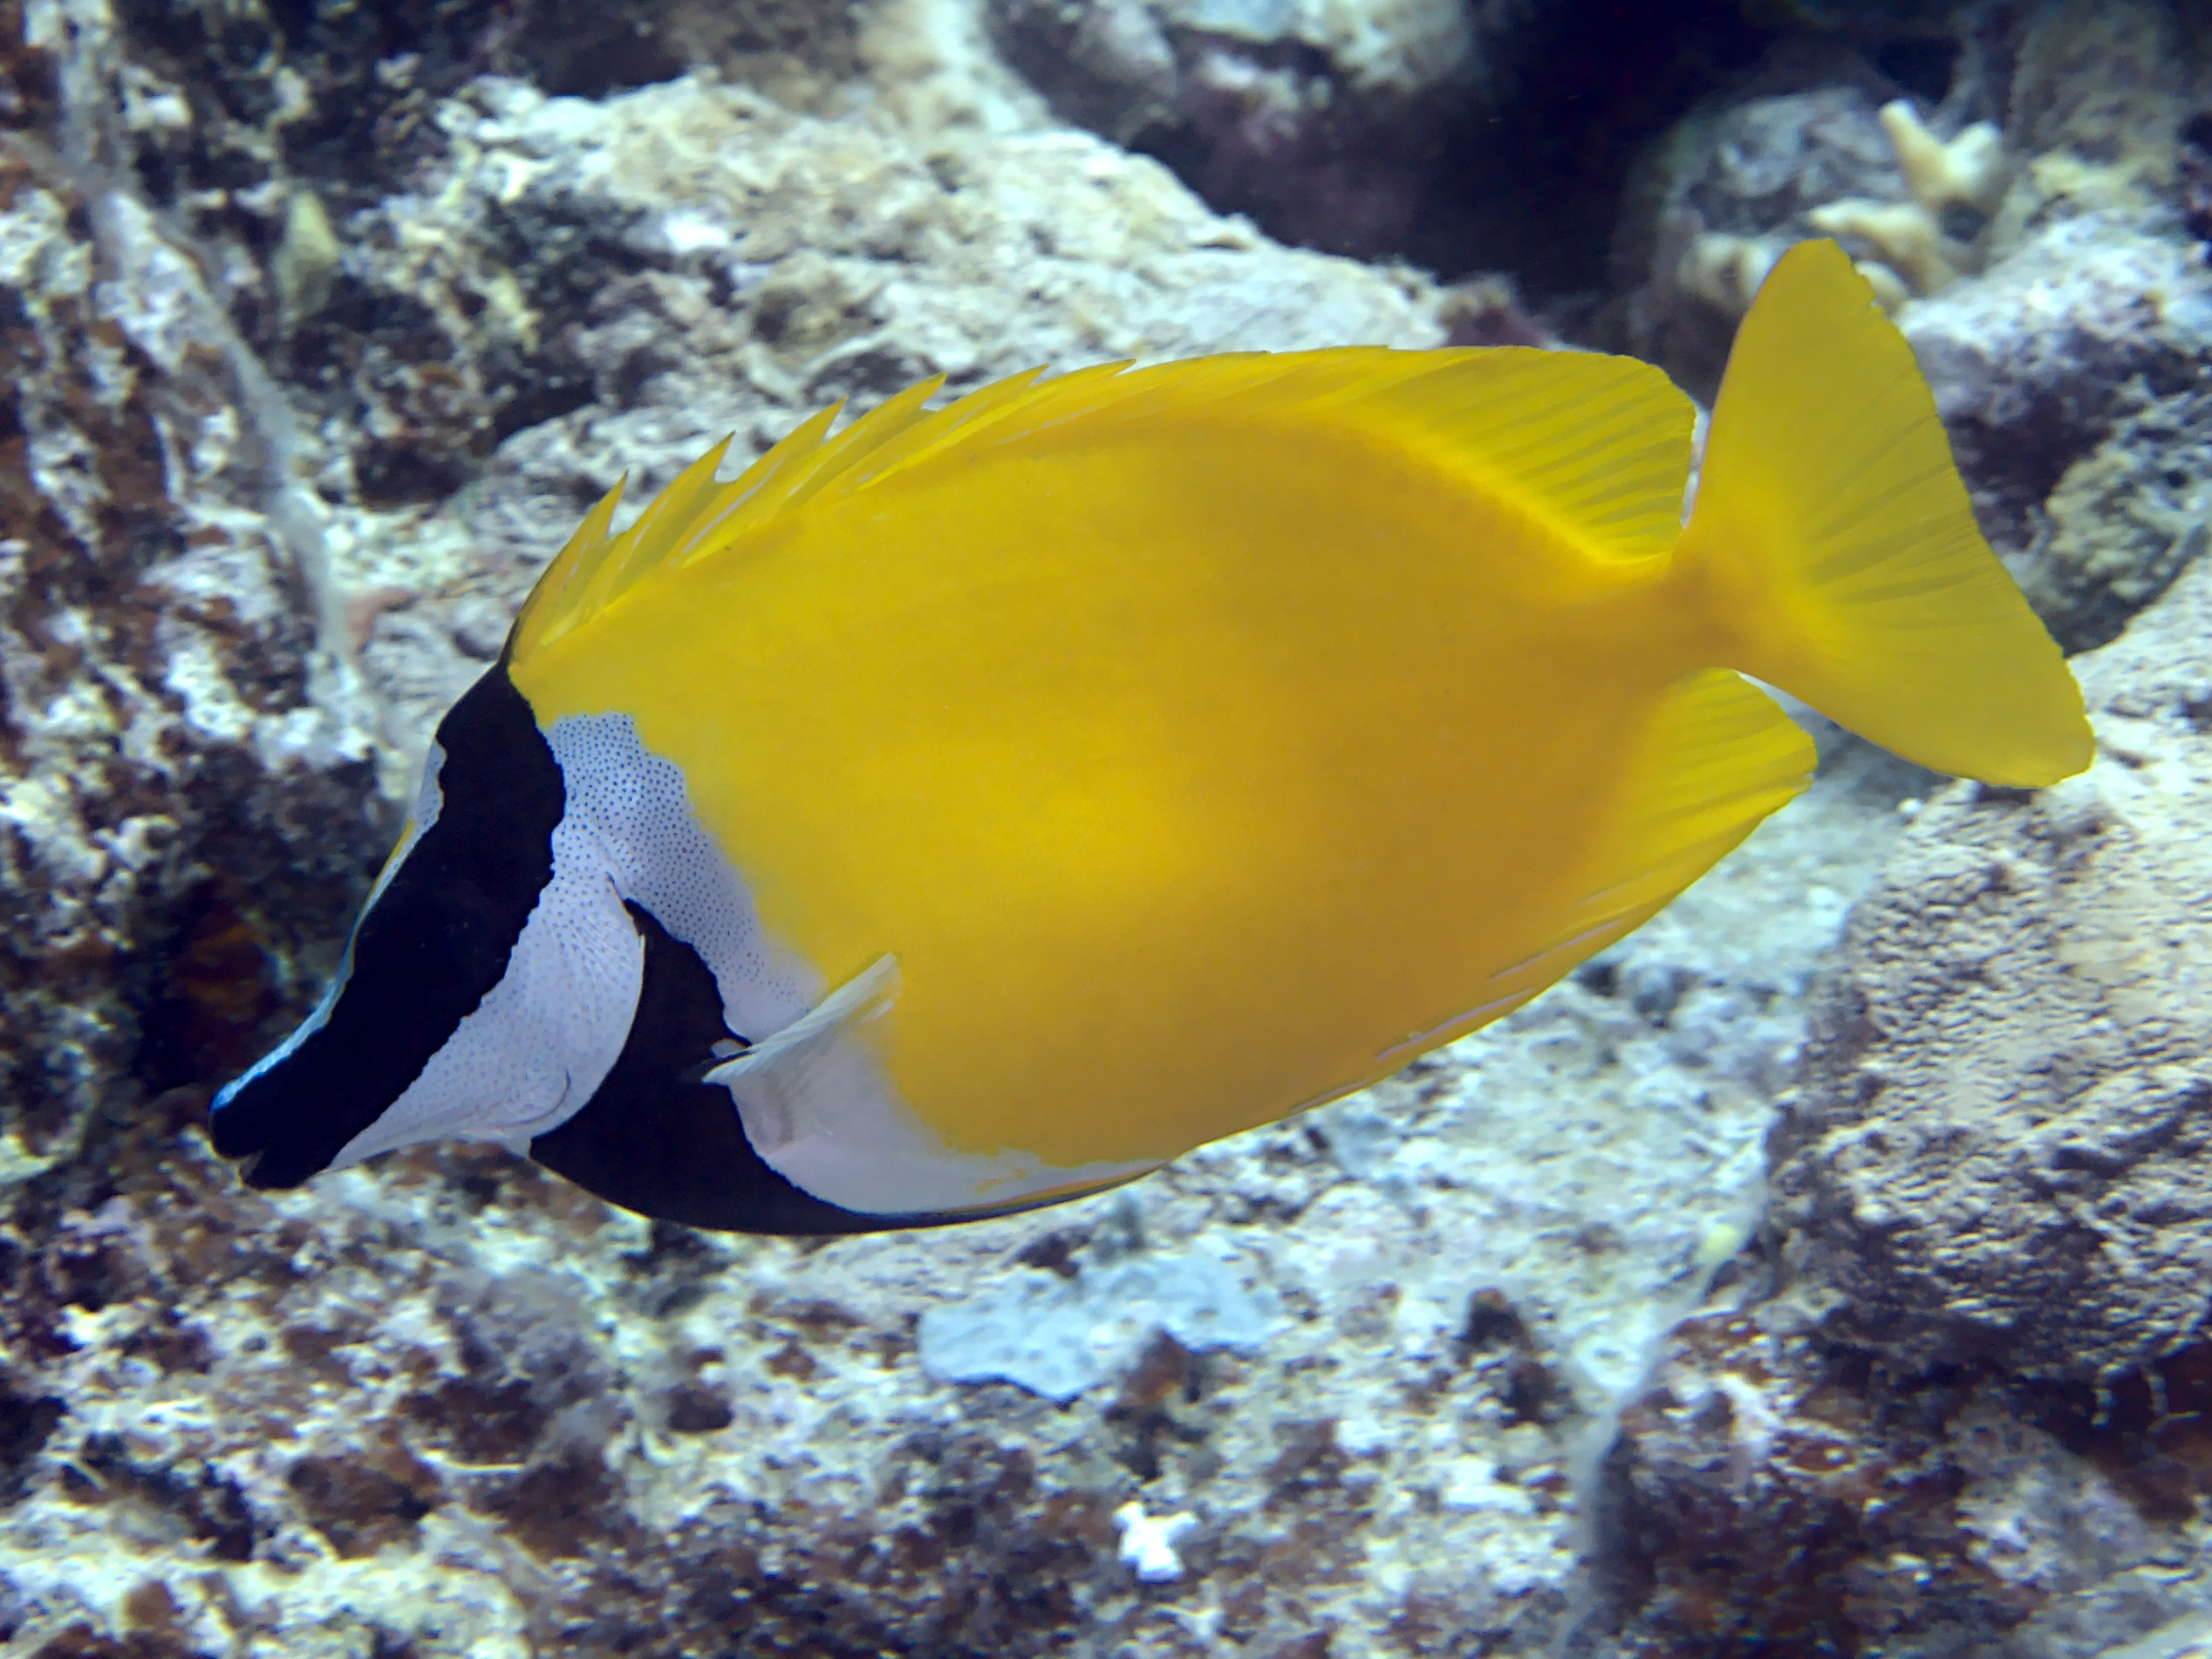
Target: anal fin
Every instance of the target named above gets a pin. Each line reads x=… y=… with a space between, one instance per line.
x=1718 y=757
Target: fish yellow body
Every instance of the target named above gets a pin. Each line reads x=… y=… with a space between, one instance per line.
x=1101 y=765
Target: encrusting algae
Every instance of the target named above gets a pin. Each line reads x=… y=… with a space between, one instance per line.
x=983 y=805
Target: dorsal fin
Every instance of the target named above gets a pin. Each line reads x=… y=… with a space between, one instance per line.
x=1595 y=446
x=597 y=564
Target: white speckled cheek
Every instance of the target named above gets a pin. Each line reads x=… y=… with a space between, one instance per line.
x=659 y=854
x=539 y=1045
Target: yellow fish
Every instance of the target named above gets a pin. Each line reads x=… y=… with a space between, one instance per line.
x=979 y=806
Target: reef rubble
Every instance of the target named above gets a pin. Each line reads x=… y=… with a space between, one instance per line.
x=1818 y=1272
x=1950 y=1400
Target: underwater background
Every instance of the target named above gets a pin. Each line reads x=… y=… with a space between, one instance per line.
x=1823 y=1271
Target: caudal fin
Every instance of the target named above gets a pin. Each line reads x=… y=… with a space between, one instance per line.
x=1833 y=548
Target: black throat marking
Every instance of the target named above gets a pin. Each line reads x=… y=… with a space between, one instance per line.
x=426 y=954
x=655 y=1141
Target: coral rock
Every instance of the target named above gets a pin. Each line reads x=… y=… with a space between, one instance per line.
x=1997 y=1152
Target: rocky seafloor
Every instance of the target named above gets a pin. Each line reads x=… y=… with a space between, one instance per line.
x=1821 y=1271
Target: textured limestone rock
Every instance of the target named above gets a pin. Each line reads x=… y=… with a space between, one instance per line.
x=2057 y=303
x=1314 y=114
x=1997 y=1152
x=1468 y=136
x=2043 y=111
x=1773 y=1494
x=1731 y=189
x=2067 y=377
x=1122 y=67
x=186 y=772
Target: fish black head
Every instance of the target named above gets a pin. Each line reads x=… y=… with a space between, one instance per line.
x=436 y=939
x=509 y=980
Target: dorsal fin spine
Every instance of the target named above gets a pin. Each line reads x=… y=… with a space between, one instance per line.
x=837 y=457
x=1550 y=435
x=920 y=437
x=796 y=468
x=646 y=542
x=543 y=617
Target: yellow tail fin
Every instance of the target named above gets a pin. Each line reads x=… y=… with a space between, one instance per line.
x=1833 y=549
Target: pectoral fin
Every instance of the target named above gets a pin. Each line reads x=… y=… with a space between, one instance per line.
x=777 y=1068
